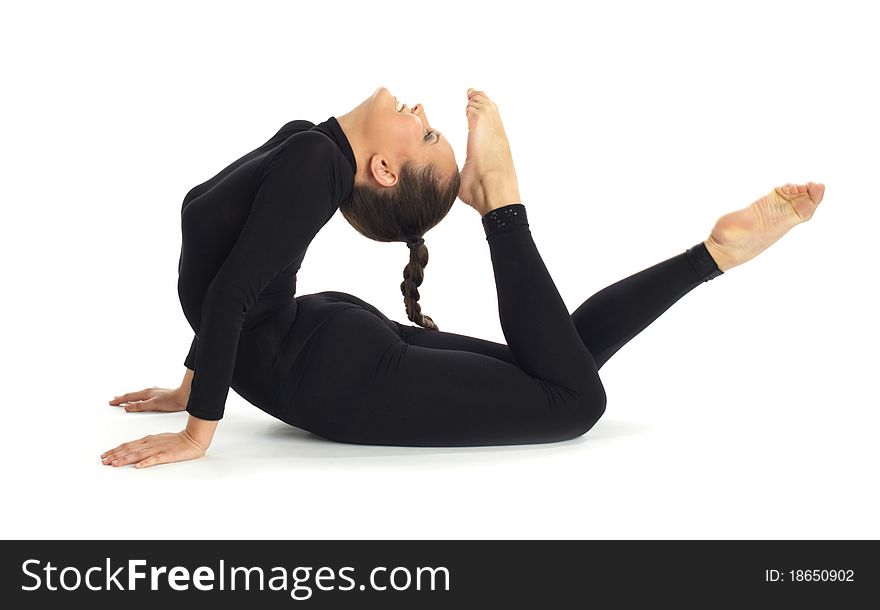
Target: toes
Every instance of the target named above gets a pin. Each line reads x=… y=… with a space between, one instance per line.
x=792 y=191
x=803 y=198
x=816 y=191
x=789 y=190
x=804 y=207
x=786 y=192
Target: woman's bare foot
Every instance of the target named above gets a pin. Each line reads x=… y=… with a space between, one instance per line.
x=743 y=234
x=488 y=178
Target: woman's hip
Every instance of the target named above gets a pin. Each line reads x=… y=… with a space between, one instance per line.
x=334 y=342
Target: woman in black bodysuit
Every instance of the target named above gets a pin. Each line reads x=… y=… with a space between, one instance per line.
x=333 y=364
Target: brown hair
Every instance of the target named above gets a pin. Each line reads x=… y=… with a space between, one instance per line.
x=405 y=212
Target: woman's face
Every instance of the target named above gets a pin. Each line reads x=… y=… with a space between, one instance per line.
x=398 y=133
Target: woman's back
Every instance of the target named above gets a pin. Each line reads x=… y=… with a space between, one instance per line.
x=244 y=236
x=280 y=136
x=213 y=215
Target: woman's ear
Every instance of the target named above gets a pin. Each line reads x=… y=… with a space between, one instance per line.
x=381 y=171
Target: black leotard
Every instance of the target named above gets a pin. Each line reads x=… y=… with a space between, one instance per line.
x=245 y=234
x=335 y=365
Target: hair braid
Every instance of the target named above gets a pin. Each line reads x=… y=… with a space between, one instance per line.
x=420 y=200
x=413 y=275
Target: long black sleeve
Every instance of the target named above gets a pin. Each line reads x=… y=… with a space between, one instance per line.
x=190 y=360
x=294 y=197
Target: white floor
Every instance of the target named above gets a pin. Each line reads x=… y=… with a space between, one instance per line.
x=748 y=410
x=781 y=445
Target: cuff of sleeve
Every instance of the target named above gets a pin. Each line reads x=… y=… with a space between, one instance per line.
x=201 y=415
x=504 y=219
x=703 y=263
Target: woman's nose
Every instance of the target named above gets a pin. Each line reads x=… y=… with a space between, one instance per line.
x=418 y=109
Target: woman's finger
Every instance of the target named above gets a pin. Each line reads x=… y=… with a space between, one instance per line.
x=158 y=458
x=137 y=405
x=114 y=457
x=129 y=458
x=124 y=447
x=154 y=449
x=135 y=451
x=113 y=453
x=140 y=395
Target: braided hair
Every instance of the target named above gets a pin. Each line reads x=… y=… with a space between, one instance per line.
x=405 y=212
x=413 y=274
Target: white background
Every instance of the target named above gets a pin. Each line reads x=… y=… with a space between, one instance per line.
x=748 y=410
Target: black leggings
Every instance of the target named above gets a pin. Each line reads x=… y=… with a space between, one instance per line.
x=359 y=377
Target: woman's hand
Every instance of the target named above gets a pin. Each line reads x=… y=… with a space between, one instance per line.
x=152 y=399
x=155 y=449
x=488 y=178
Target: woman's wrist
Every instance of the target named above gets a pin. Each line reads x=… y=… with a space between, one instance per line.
x=182 y=394
x=183 y=390
x=201 y=430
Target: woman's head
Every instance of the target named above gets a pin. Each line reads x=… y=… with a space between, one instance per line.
x=406 y=182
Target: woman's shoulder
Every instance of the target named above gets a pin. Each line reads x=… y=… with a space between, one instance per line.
x=307 y=150
x=292 y=127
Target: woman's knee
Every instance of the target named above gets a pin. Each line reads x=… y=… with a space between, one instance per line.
x=589 y=406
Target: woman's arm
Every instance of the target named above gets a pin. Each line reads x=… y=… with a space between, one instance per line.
x=185 y=385
x=201 y=431
x=192 y=442
x=163 y=400
x=295 y=196
x=153 y=449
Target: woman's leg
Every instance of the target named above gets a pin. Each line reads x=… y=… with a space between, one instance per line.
x=362 y=384
x=614 y=315
x=610 y=318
